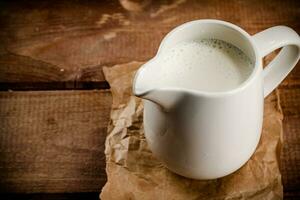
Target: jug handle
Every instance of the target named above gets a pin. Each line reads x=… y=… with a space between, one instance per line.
x=270 y=40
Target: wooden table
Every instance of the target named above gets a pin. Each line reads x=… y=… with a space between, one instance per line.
x=55 y=103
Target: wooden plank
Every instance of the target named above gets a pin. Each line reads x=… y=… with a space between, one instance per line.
x=53 y=141
x=47 y=196
x=70 y=42
x=290 y=102
x=24 y=73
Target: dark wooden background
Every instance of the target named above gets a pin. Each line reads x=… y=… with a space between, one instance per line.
x=55 y=103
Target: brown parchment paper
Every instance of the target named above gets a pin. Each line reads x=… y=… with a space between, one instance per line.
x=134 y=173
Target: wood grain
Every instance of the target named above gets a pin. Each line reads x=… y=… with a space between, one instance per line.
x=57 y=196
x=53 y=141
x=290 y=101
x=24 y=73
x=73 y=41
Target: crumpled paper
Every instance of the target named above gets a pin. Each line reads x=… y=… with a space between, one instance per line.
x=134 y=173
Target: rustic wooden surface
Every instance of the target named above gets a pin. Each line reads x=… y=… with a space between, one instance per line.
x=52 y=141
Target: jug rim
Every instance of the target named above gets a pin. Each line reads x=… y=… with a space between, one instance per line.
x=235 y=90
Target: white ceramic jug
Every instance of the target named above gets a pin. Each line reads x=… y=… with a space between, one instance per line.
x=207 y=135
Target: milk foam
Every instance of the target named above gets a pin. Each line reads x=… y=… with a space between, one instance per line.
x=206 y=65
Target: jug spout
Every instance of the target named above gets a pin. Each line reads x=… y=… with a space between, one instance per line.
x=147 y=86
x=166 y=99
